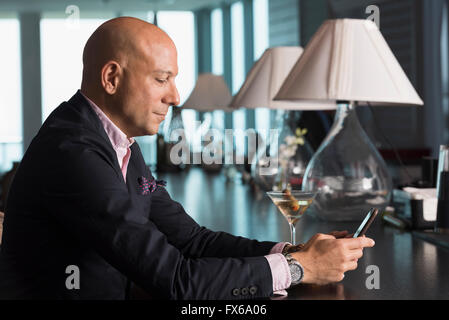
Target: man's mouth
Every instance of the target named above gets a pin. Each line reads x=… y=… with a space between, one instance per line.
x=160 y=115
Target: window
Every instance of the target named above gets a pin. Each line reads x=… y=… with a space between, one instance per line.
x=238 y=46
x=260 y=21
x=217 y=60
x=261 y=40
x=445 y=71
x=217 y=41
x=182 y=33
x=238 y=72
x=62 y=47
x=10 y=94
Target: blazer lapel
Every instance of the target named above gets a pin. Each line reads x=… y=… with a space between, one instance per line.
x=86 y=112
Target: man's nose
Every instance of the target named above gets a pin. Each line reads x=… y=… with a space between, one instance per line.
x=172 y=97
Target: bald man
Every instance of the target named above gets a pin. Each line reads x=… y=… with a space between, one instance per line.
x=85 y=218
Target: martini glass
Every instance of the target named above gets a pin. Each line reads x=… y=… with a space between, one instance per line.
x=292 y=204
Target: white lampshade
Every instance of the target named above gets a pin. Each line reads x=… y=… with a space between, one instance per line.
x=210 y=93
x=349 y=60
x=266 y=77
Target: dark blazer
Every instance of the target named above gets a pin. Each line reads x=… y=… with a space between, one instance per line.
x=69 y=205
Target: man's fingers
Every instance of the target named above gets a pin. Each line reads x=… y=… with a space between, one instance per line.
x=355 y=254
x=339 y=234
x=361 y=242
x=351 y=265
x=322 y=236
x=349 y=235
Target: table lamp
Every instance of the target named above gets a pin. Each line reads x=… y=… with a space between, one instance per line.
x=258 y=90
x=348 y=62
x=209 y=94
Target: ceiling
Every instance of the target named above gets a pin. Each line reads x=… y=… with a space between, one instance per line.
x=107 y=5
x=343 y=6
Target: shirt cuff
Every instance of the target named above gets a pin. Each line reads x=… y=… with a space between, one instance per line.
x=280 y=273
x=278 y=247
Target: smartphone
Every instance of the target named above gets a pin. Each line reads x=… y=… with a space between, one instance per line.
x=366 y=223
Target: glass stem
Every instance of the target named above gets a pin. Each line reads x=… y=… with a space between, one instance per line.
x=293 y=233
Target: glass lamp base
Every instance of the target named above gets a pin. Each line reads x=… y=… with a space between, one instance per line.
x=347 y=172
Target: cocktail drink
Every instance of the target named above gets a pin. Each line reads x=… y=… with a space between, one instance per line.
x=292 y=204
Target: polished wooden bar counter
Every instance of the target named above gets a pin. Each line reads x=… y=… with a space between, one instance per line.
x=408 y=267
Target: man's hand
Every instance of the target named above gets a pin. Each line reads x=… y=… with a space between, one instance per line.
x=337 y=234
x=325 y=258
x=291 y=248
x=341 y=234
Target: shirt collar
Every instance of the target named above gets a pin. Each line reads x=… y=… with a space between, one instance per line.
x=118 y=137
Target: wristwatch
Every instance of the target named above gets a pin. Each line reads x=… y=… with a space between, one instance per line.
x=296 y=270
x=291 y=248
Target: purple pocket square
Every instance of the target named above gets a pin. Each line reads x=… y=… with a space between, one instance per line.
x=147 y=186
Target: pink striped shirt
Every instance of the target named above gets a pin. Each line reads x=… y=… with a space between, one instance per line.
x=118 y=138
x=121 y=143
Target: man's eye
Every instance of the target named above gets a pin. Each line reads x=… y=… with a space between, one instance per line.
x=162 y=80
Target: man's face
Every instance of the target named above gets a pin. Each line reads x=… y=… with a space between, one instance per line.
x=148 y=88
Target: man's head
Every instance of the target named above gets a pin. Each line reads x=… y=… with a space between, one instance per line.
x=129 y=71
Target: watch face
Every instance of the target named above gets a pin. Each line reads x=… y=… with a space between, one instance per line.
x=295 y=271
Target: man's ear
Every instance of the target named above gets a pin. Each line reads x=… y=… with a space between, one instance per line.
x=110 y=76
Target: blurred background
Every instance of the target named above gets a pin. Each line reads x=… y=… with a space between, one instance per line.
x=41 y=43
